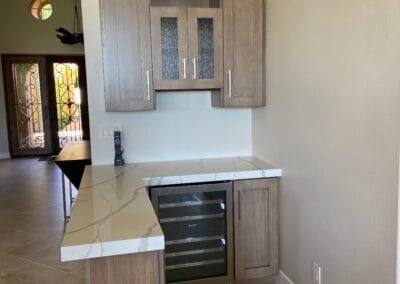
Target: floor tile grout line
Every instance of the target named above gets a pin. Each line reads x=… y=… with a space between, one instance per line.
x=40 y=264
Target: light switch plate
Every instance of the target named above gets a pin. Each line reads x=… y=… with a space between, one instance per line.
x=108 y=129
x=316 y=273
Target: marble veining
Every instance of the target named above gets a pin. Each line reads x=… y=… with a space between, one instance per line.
x=113 y=214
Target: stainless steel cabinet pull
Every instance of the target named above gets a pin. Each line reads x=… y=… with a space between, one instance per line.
x=184 y=69
x=194 y=69
x=230 y=83
x=240 y=205
x=148 y=85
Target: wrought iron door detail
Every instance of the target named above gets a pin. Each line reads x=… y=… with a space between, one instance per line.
x=28 y=105
x=68 y=102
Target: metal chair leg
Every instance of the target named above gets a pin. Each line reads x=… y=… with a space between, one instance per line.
x=66 y=217
x=70 y=195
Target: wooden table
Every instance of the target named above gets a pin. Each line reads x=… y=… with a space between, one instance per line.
x=72 y=160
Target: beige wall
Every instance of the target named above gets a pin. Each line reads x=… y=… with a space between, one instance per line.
x=332 y=123
x=184 y=126
x=21 y=33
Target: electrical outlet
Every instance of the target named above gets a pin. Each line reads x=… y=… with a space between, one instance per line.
x=316 y=273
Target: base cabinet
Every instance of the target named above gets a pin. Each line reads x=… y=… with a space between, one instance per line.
x=256 y=228
x=208 y=242
x=137 y=268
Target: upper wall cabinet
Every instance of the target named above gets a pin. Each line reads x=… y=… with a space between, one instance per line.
x=187 y=48
x=216 y=45
x=244 y=55
x=125 y=29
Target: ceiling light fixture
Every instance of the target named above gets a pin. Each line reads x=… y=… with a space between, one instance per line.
x=76 y=36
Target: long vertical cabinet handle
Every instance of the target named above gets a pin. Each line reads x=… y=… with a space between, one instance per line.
x=194 y=69
x=239 y=205
x=230 y=83
x=184 y=69
x=148 y=85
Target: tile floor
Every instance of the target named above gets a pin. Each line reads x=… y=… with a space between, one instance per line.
x=32 y=225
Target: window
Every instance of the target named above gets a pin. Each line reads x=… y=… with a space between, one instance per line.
x=41 y=9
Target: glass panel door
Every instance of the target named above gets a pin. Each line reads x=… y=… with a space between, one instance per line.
x=205 y=48
x=28 y=106
x=70 y=119
x=68 y=102
x=29 y=129
x=42 y=115
x=169 y=47
x=196 y=221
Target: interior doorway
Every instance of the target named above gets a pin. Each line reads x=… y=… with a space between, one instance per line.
x=46 y=102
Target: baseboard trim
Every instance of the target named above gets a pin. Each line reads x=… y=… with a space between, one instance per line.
x=4 y=156
x=282 y=278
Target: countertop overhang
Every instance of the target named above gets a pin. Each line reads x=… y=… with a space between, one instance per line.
x=113 y=214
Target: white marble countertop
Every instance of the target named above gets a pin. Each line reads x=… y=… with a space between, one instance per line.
x=113 y=214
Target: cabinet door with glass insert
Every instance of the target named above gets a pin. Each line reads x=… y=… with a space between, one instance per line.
x=205 y=47
x=169 y=47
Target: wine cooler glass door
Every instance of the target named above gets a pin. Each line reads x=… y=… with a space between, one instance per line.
x=196 y=223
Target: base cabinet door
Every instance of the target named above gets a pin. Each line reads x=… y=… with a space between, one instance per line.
x=127 y=62
x=256 y=228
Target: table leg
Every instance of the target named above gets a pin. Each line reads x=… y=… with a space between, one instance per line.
x=70 y=195
x=66 y=218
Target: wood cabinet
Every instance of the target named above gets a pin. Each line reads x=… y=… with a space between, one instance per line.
x=256 y=228
x=127 y=61
x=244 y=55
x=140 y=268
x=187 y=48
x=216 y=45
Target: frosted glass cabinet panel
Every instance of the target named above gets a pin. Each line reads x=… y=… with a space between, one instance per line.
x=169 y=48
x=187 y=48
x=205 y=45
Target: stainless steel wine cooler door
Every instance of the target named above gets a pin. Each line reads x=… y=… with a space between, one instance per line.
x=197 y=224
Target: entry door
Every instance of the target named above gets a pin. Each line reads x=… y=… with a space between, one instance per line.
x=46 y=103
x=68 y=100
x=27 y=105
